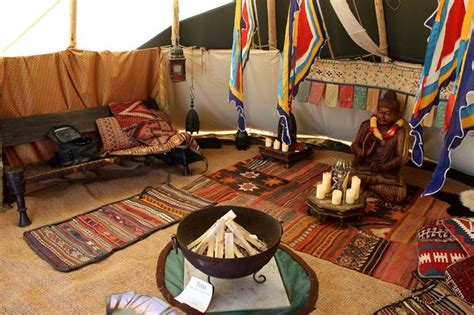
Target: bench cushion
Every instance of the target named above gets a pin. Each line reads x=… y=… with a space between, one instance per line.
x=112 y=136
x=180 y=140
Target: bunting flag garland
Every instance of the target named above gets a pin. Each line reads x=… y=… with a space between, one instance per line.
x=462 y=114
x=440 y=114
x=303 y=91
x=303 y=38
x=360 y=97
x=244 y=29
x=441 y=61
x=346 y=96
x=373 y=96
x=331 y=97
x=316 y=93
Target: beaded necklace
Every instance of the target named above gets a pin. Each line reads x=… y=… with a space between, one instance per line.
x=390 y=133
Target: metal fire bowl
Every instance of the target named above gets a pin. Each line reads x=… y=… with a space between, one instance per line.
x=266 y=227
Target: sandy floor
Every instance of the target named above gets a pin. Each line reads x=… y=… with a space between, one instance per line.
x=29 y=285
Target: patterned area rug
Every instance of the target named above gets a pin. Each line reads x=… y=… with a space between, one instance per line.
x=93 y=236
x=383 y=245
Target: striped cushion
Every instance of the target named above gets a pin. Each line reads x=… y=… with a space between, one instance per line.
x=112 y=136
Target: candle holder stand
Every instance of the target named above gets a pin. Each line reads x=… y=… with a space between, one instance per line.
x=324 y=207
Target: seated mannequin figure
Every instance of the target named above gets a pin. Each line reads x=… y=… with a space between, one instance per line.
x=380 y=149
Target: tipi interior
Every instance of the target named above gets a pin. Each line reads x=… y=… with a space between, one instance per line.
x=372 y=262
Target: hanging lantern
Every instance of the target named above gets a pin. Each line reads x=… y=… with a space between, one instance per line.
x=192 y=119
x=177 y=65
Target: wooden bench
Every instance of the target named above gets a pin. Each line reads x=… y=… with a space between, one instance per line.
x=29 y=129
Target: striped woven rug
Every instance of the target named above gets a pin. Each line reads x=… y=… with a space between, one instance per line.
x=95 y=235
x=382 y=246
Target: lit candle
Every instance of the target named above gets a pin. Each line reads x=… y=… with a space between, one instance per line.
x=268 y=142
x=327 y=181
x=350 y=196
x=355 y=186
x=284 y=147
x=336 y=197
x=276 y=145
x=320 y=191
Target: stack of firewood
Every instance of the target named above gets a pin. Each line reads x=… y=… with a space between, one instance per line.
x=227 y=239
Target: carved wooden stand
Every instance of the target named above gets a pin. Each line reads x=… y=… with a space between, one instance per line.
x=287 y=157
x=324 y=207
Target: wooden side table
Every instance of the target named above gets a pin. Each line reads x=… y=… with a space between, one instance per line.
x=324 y=207
x=286 y=157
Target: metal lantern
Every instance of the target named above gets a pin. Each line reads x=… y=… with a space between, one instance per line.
x=177 y=65
x=192 y=119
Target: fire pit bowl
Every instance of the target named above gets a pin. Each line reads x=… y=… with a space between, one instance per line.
x=266 y=227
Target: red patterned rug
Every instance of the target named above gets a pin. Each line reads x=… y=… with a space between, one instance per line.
x=97 y=234
x=382 y=246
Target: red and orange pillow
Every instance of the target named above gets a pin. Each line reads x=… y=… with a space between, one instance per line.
x=142 y=126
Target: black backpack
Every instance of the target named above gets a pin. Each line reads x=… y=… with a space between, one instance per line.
x=73 y=147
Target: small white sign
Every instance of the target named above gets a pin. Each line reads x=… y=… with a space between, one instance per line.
x=197 y=294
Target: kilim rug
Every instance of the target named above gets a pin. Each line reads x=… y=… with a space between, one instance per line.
x=383 y=245
x=95 y=235
x=432 y=298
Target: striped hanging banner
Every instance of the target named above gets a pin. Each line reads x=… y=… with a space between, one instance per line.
x=303 y=38
x=244 y=29
x=461 y=120
x=441 y=61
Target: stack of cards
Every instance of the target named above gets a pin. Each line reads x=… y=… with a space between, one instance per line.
x=133 y=304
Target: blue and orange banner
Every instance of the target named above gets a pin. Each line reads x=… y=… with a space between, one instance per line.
x=442 y=60
x=244 y=29
x=460 y=116
x=305 y=35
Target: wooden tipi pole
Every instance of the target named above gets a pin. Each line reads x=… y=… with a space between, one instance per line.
x=175 y=24
x=271 y=15
x=73 y=21
x=379 y=12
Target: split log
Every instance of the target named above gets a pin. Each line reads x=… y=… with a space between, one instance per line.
x=229 y=245
x=227 y=239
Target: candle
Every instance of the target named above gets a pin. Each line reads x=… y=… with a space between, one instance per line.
x=336 y=197
x=276 y=145
x=284 y=147
x=268 y=142
x=350 y=196
x=345 y=182
x=355 y=186
x=320 y=191
x=327 y=181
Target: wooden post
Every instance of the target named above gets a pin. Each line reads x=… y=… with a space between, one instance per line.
x=383 y=45
x=271 y=15
x=73 y=21
x=175 y=24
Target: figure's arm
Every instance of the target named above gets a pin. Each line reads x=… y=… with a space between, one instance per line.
x=356 y=146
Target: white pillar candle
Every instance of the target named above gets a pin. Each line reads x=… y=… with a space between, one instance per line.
x=276 y=145
x=336 y=197
x=320 y=191
x=327 y=181
x=345 y=182
x=284 y=147
x=350 y=196
x=355 y=186
x=268 y=142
